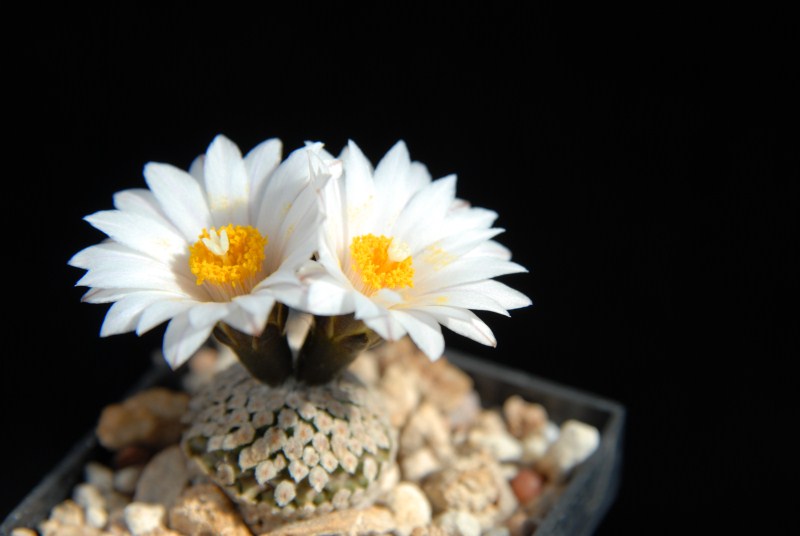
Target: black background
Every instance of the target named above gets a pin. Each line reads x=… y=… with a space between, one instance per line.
x=644 y=164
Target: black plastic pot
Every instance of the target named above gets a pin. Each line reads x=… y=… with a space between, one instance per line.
x=579 y=509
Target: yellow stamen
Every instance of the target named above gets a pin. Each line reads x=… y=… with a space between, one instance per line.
x=228 y=257
x=381 y=263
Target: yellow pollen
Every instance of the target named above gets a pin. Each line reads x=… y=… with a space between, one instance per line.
x=377 y=262
x=230 y=256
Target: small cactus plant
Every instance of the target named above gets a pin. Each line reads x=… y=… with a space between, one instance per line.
x=291 y=451
x=240 y=246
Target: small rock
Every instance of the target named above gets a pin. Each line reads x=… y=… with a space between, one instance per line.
x=472 y=483
x=502 y=445
x=204 y=510
x=523 y=417
x=430 y=530
x=409 y=506
x=68 y=512
x=576 y=442
x=126 y=478
x=426 y=427
x=497 y=531
x=53 y=528
x=22 y=531
x=401 y=393
x=132 y=455
x=527 y=486
x=444 y=385
x=419 y=464
x=458 y=523
x=369 y=521
x=533 y=447
x=150 y=418
x=99 y=476
x=142 y=518
x=93 y=503
x=163 y=478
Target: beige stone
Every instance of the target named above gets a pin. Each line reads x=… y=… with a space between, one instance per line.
x=473 y=483
x=522 y=417
x=426 y=427
x=419 y=464
x=150 y=418
x=100 y=476
x=400 y=391
x=23 y=531
x=351 y=522
x=126 y=478
x=68 y=512
x=142 y=518
x=204 y=510
x=576 y=442
x=409 y=506
x=444 y=385
x=458 y=523
x=89 y=497
x=53 y=528
x=163 y=478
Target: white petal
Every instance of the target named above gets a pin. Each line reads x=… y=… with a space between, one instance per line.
x=208 y=314
x=462 y=242
x=123 y=315
x=358 y=189
x=491 y=249
x=418 y=224
x=139 y=277
x=327 y=298
x=391 y=186
x=197 y=168
x=463 y=322
x=241 y=320
x=281 y=190
x=260 y=162
x=181 y=198
x=462 y=298
x=385 y=324
x=103 y=295
x=418 y=177
x=227 y=184
x=142 y=233
x=182 y=340
x=298 y=325
x=139 y=201
x=160 y=312
x=466 y=270
x=424 y=331
x=505 y=296
x=249 y=313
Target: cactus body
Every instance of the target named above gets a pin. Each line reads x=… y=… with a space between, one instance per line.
x=291 y=451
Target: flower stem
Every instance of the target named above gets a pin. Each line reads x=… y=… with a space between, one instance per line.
x=267 y=357
x=331 y=345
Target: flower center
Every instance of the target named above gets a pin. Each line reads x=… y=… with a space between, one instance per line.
x=381 y=262
x=230 y=257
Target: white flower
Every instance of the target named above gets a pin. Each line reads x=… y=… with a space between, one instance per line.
x=406 y=256
x=220 y=243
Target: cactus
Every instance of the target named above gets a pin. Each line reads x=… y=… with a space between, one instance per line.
x=290 y=451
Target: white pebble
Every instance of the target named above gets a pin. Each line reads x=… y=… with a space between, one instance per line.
x=141 y=518
x=458 y=523
x=93 y=503
x=99 y=476
x=410 y=507
x=126 y=478
x=576 y=442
